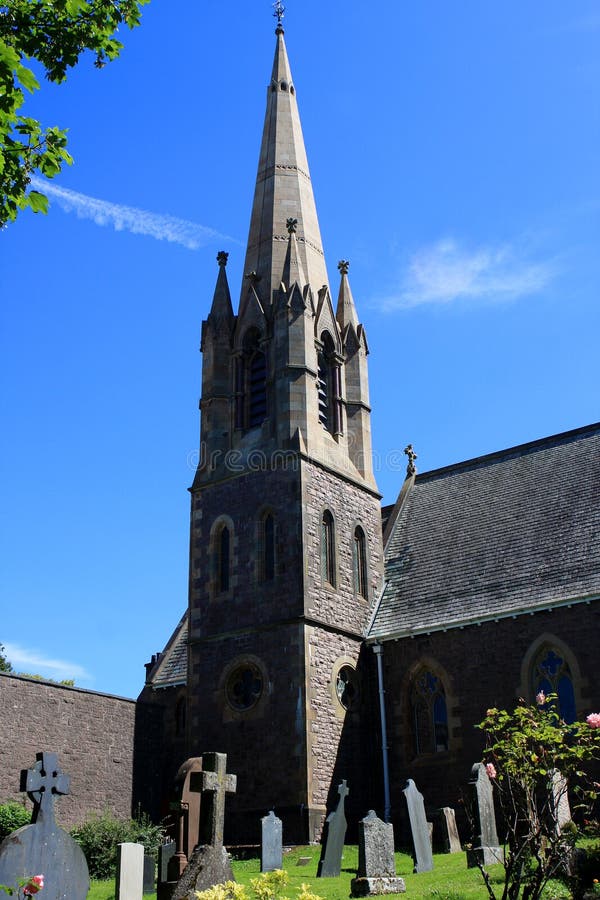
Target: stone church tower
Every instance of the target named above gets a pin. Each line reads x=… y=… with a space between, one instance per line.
x=286 y=550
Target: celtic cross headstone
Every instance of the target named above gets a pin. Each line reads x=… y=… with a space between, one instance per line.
x=42 y=848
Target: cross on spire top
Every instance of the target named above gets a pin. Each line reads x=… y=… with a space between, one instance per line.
x=279 y=14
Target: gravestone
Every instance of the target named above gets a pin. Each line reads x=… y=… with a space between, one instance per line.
x=419 y=827
x=559 y=800
x=186 y=809
x=165 y=853
x=43 y=848
x=485 y=849
x=330 y=864
x=271 y=847
x=210 y=863
x=130 y=872
x=149 y=873
x=376 y=864
x=450 y=841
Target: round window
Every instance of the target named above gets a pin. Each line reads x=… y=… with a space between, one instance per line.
x=346 y=686
x=244 y=686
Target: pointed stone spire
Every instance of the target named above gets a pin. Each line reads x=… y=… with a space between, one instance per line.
x=346 y=310
x=283 y=189
x=221 y=311
x=293 y=272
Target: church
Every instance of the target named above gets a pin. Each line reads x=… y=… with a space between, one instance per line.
x=327 y=638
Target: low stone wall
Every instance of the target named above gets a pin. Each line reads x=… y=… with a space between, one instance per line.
x=93 y=735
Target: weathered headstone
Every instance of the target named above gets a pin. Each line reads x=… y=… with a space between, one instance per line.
x=376 y=864
x=559 y=800
x=130 y=872
x=485 y=849
x=43 y=848
x=271 y=847
x=450 y=841
x=419 y=827
x=330 y=864
x=165 y=853
x=210 y=863
x=149 y=875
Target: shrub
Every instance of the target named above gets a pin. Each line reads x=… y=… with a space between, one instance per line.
x=99 y=837
x=12 y=816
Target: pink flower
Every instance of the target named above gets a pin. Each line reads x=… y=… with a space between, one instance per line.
x=35 y=884
x=491 y=770
x=593 y=720
x=540 y=698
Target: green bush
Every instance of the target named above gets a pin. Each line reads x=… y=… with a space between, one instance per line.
x=12 y=816
x=99 y=836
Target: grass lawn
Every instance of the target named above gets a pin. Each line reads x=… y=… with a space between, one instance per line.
x=449 y=880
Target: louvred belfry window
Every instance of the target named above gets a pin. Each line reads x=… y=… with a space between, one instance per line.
x=329 y=386
x=251 y=383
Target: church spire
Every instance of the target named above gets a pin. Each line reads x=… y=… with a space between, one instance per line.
x=283 y=188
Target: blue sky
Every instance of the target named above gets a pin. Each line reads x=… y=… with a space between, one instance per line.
x=453 y=149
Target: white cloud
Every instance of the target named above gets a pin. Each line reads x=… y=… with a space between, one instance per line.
x=128 y=218
x=445 y=273
x=35 y=663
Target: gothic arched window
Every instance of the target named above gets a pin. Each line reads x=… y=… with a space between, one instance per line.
x=267 y=548
x=359 y=562
x=328 y=386
x=552 y=675
x=251 y=382
x=223 y=559
x=328 y=548
x=429 y=713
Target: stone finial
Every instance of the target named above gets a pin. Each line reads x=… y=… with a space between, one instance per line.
x=222 y=257
x=291 y=225
x=343 y=266
x=411 y=469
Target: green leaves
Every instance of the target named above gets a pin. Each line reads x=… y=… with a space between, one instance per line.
x=55 y=33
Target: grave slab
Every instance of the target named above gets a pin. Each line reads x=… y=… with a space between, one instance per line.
x=271 y=849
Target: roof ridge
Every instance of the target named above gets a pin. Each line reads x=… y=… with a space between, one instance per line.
x=516 y=450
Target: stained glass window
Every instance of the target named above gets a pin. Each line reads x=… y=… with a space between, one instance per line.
x=552 y=675
x=429 y=712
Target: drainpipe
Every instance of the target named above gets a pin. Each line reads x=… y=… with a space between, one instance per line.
x=378 y=651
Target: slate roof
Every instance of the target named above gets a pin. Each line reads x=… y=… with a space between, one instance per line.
x=508 y=533
x=171 y=666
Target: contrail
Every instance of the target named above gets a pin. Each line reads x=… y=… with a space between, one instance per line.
x=128 y=218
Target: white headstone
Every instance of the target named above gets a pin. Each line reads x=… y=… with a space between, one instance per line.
x=130 y=872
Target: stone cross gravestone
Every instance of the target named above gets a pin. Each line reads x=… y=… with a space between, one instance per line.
x=130 y=872
x=419 y=827
x=559 y=800
x=210 y=863
x=43 y=848
x=271 y=847
x=376 y=864
x=330 y=864
x=485 y=849
x=450 y=840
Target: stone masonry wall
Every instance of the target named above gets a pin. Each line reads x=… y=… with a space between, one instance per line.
x=339 y=606
x=480 y=666
x=93 y=735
